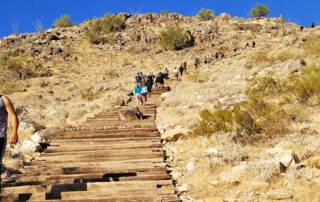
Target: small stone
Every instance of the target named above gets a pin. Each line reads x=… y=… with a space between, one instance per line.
x=190 y=166
x=213 y=151
x=183 y=188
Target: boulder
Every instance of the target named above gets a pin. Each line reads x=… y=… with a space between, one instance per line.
x=183 y=188
x=36 y=138
x=130 y=113
x=28 y=147
x=285 y=157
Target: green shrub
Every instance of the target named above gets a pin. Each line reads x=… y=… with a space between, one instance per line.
x=174 y=38
x=18 y=68
x=307 y=85
x=312 y=46
x=259 y=11
x=63 y=21
x=101 y=30
x=205 y=14
x=260 y=114
x=260 y=57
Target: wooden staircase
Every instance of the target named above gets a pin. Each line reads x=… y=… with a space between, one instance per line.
x=105 y=159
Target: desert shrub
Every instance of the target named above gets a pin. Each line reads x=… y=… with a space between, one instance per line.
x=63 y=21
x=111 y=74
x=260 y=57
x=307 y=85
x=259 y=11
x=38 y=26
x=312 y=46
x=10 y=87
x=174 y=38
x=88 y=95
x=19 y=68
x=16 y=65
x=248 y=27
x=261 y=113
x=260 y=88
x=205 y=14
x=101 y=30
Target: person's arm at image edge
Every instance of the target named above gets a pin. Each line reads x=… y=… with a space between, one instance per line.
x=14 y=119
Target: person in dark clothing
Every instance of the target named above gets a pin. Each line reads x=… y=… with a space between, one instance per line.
x=217 y=55
x=313 y=25
x=253 y=44
x=196 y=63
x=247 y=46
x=159 y=82
x=150 y=83
x=166 y=74
x=181 y=71
x=138 y=78
x=301 y=28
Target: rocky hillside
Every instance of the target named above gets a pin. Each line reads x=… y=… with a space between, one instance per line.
x=57 y=78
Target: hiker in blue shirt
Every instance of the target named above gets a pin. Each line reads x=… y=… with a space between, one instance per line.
x=138 y=95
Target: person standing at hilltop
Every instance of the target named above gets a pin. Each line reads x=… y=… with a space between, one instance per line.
x=6 y=107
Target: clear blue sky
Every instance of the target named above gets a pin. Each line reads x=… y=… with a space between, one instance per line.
x=24 y=13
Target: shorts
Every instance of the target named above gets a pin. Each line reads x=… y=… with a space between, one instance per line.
x=144 y=94
x=138 y=95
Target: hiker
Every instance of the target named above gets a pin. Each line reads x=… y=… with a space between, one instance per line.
x=313 y=25
x=217 y=55
x=144 y=92
x=159 y=80
x=175 y=73
x=181 y=70
x=196 y=62
x=143 y=78
x=301 y=28
x=166 y=74
x=235 y=50
x=253 y=44
x=137 y=92
x=6 y=108
x=138 y=78
x=247 y=46
x=222 y=54
x=205 y=61
x=150 y=83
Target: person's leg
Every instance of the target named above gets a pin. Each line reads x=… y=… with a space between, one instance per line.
x=2 y=150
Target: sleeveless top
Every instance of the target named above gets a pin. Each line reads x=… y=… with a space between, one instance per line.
x=3 y=119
